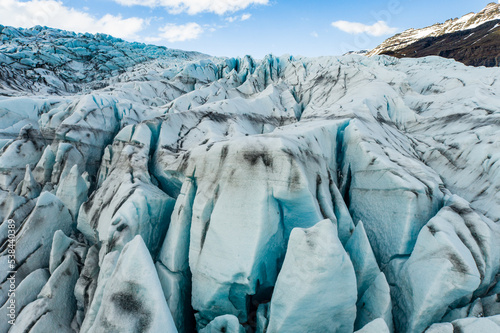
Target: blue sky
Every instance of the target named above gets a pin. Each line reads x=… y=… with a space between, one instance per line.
x=240 y=27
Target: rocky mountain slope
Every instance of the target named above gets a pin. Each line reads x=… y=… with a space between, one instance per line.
x=474 y=47
x=333 y=194
x=472 y=39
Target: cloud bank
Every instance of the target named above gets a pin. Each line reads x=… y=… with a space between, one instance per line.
x=193 y=7
x=380 y=28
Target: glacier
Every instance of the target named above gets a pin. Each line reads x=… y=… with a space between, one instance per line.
x=157 y=190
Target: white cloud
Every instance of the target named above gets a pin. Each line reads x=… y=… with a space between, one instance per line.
x=54 y=14
x=192 y=7
x=243 y=17
x=152 y=39
x=380 y=28
x=179 y=33
x=314 y=34
x=145 y=3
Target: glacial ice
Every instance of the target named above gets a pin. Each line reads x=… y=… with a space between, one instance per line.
x=375 y=303
x=375 y=326
x=26 y=292
x=226 y=323
x=54 y=308
x=127 y=203
x=131 y=300
x=48 y=216
x=460 y=244
x=316 y=288
x=164 y=190
x=468 y=325
x=363 y=259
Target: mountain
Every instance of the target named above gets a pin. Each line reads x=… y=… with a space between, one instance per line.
x=474 y=47
x=361 y=52
x=184 y=193
x=471 y=39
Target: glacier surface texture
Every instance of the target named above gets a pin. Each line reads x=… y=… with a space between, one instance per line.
x=156 y=190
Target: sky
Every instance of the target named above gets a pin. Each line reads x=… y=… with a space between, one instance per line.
x=239 y=27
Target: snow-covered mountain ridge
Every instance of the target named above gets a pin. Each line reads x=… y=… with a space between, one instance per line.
x=474 y=47
x=470 y=21
x=332 y=194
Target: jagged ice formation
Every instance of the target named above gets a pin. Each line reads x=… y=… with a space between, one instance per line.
x=333 y=194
